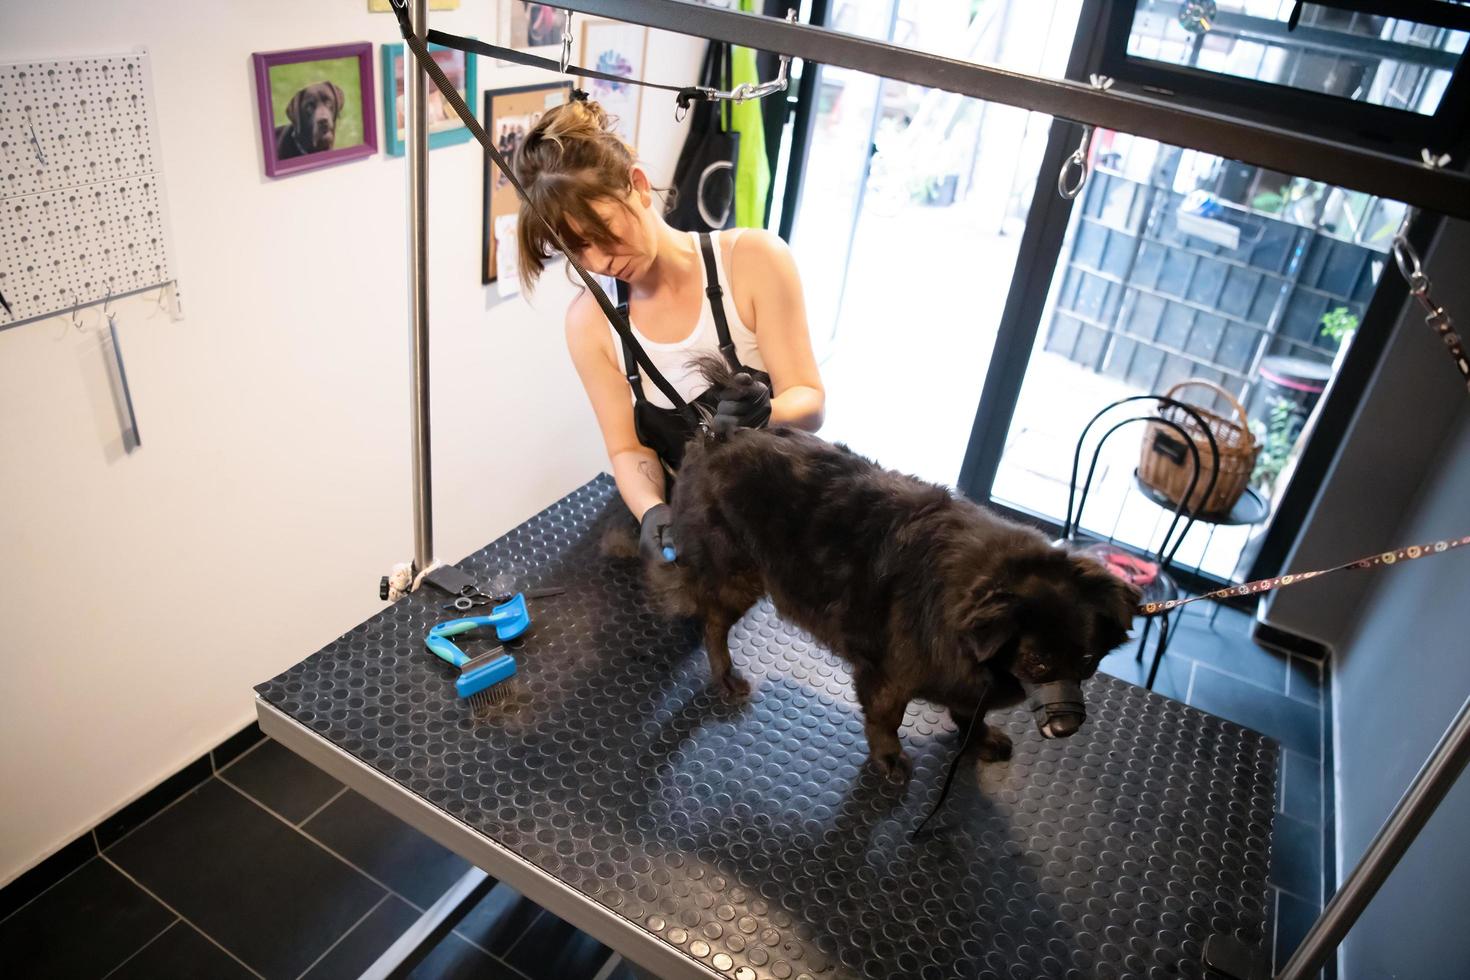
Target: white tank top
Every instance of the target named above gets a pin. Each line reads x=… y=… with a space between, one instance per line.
x=672 y=359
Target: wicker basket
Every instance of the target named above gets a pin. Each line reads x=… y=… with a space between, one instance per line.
x=1166 y=464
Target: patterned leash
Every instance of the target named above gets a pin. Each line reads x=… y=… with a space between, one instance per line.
x=1437 y=320
x=1409 y=553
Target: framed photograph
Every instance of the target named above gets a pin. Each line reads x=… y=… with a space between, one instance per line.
x=445 y=129
x=618 y=49
x=386 y=6
x=315 y=107
x=509 y=115
x=534 y=27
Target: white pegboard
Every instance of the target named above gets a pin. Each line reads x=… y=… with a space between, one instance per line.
x=84 y=214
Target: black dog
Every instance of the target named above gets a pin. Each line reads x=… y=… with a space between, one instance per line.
x=926 y=594
x=313 y=112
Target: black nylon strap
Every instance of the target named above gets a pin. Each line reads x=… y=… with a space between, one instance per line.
x=630 y=365
x=451 y=96
x=686 y=93
x=716 y=296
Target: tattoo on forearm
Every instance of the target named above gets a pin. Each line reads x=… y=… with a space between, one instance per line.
x=651 y=473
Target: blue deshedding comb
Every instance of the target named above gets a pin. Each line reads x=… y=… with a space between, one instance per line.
x=482 y=680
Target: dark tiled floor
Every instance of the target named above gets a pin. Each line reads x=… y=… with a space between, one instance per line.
x=1217 y=668
x=271 y=869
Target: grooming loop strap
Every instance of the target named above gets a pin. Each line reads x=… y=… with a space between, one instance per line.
x=1412 y=269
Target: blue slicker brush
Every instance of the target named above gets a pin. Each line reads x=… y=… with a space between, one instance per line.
x=484 y=680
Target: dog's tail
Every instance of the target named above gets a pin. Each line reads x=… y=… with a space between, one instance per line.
x=719 y=376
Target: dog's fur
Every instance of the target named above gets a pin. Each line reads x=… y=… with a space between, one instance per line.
x=313 y=112
x=926 y=594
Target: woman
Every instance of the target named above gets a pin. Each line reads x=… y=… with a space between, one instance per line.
x=735 y=293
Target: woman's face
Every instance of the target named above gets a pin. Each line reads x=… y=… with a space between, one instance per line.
x=635 y=228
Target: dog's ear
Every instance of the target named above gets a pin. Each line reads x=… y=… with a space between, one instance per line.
x=989 y=620
x=1117 y=600
x=337 y=97
x=293 y=108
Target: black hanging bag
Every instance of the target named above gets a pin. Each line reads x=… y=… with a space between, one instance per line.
x=704 y=178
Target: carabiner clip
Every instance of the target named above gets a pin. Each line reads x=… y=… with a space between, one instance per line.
x=566 y=42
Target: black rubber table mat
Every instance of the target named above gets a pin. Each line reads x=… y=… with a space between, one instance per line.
x=753 y=838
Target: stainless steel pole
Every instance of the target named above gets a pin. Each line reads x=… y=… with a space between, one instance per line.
x=1413 y=810
x=416 y=82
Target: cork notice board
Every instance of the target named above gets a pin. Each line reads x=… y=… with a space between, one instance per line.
x=509 y=115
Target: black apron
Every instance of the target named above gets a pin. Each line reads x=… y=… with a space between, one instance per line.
x=667 y=430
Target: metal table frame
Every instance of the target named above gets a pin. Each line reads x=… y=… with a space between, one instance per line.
x=602 y=924
x=1352 y=167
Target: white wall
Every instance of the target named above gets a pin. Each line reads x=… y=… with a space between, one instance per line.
x=146 y=593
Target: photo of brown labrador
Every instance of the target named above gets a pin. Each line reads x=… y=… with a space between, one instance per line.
x=925 y=593
x=313 y=113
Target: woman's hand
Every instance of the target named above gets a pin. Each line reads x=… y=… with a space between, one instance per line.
x=656 y=534
x=745 y=404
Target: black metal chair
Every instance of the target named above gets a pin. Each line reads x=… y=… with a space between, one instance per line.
x=1163 y=587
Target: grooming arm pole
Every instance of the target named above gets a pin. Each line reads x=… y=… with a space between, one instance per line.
x=1413 y=810
x=416 y=81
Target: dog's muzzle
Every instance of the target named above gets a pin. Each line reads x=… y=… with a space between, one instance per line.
x=1057 y=707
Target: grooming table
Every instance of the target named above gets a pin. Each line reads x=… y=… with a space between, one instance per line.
x=703 y=839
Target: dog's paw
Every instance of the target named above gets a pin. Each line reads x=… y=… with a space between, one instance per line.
x=896 y=767
x=733 y=686
x=995 y=746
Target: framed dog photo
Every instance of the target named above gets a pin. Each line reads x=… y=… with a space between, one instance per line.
x=315 y=107
x=509 y=115
x=445 y=127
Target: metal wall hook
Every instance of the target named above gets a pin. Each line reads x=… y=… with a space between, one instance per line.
x=1078 y=160
x=75 y=307
x=566 y=42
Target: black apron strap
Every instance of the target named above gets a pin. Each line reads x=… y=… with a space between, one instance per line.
x=716 y=297
x=630 y=362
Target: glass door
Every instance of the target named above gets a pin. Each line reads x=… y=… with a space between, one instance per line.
x=909 y=219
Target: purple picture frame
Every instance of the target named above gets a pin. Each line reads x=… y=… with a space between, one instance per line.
x=275 y=166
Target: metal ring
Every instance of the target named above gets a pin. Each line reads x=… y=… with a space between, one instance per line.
x=1406 y=259
x=1078 y=160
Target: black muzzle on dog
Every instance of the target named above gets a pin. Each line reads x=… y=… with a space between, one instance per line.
x=1057 y=707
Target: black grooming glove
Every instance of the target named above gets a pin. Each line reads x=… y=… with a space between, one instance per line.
x=745 y=403
x=656 y=536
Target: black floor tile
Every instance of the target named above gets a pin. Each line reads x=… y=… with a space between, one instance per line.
x=282 y=780
x=236 y=745
x=83 y=926
x=51 y=870
x=1294 y=724
x=499 y=919
x=258 y=887
x=1173 y=678
x=1296 y=857
x=1293 y=918
x=361 y=947
x=387 y=848
x=555 y=950
x=1304 y=680
x=1301 y=787
x=141 y=810
x=181 y=953
x=1230 y=653
x=455 y=959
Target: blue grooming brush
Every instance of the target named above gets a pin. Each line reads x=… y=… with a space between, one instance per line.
x=482 y=680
